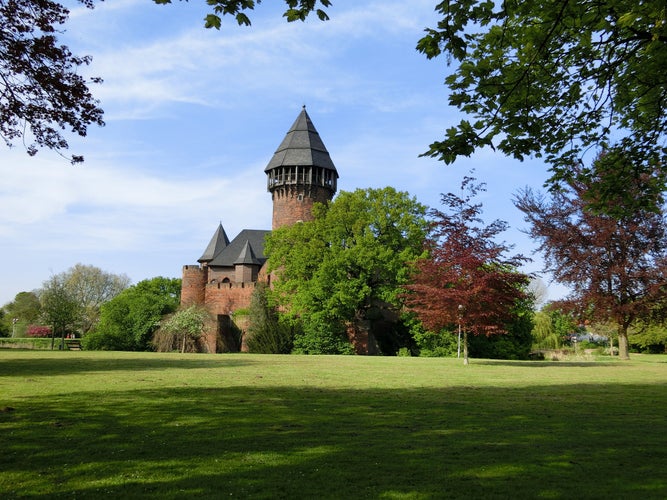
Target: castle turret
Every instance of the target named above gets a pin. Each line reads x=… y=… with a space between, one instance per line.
x=195 y=277
x=193 y=286
x=246 y=265
x=300 y=173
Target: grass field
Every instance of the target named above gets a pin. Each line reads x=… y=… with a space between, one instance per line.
x=144 y=425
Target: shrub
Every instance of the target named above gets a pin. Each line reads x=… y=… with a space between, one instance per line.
x=320 y=336
x=182 y=330
x=267 y=334
x=25 y=343
x=38 y=331
x=109 y=340
x=436 y=345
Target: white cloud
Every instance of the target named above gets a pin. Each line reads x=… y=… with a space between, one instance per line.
x=194 y=115
x=212 y=68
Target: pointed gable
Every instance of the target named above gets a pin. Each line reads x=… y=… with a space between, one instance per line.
x=302 y=146
x=247 y=256
x=218 y=242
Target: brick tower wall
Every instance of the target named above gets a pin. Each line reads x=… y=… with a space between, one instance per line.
x=292 y=204
x=193 y=285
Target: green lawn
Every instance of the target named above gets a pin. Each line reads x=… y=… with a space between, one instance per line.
x=133 y=425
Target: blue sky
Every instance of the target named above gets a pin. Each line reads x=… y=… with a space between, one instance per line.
x=193 y=116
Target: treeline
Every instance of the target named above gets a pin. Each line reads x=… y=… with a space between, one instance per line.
x=99 y=308
x=378 y=270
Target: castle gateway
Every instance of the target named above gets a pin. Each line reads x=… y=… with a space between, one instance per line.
x=299 y=174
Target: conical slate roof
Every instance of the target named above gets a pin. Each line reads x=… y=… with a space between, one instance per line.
x=218 y=242
x=302 y=146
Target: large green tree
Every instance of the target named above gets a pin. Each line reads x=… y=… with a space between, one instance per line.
x=555 y=78
x=128 y=321
x=649 y=338
x=5 y=328
x=24 y=310
x=60 y=309
x=91 y=287
x=553 y=325
x=342 y=272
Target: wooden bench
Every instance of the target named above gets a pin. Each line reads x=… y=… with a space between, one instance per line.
x=73 y=344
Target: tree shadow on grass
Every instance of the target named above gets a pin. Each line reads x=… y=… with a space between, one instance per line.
x=35 y=366
x=588 y=441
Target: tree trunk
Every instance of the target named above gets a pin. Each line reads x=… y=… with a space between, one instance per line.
x=623 y=349
x=465 y=348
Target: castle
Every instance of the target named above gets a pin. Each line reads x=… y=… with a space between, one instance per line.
x=299 y=174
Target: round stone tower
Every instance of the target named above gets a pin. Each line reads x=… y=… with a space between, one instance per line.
x=299 y=174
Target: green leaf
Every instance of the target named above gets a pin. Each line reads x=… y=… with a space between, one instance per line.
x=242 y=19
x=212 y=21
x=293 y=15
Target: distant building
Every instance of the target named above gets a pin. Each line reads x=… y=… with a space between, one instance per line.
x=299 y=174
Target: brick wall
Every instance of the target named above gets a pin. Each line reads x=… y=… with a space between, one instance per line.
x=245 y=273
x=193 y=284
x=225 y=298
x=292 y=205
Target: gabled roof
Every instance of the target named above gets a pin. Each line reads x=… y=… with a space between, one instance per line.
x=302 y=146
x=218 y=242
x=253 y=239
x=247 y=256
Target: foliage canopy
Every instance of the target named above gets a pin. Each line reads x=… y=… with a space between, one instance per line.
x=348 y=264
x=60 y=309
x=91 y=287
x=615 y=265
x=25 y=309
x=41 y=90
x=128 y=321
x=297 y=10
x=267 y=334
x=466 y=277
x=183 y=329
x=555 y=78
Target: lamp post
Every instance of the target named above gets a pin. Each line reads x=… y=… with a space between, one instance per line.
x=458 y=345
x=14 y=321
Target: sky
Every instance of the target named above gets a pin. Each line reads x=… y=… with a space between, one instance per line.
x=193 y=117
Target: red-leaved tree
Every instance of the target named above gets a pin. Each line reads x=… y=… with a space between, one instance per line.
x=42 y=91
x=613 y=257
x=466 y=279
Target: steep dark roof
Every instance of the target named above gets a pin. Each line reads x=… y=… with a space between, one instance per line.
x=247 y=256
x=218 y=242
x=253 y=239
x=302 y=146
